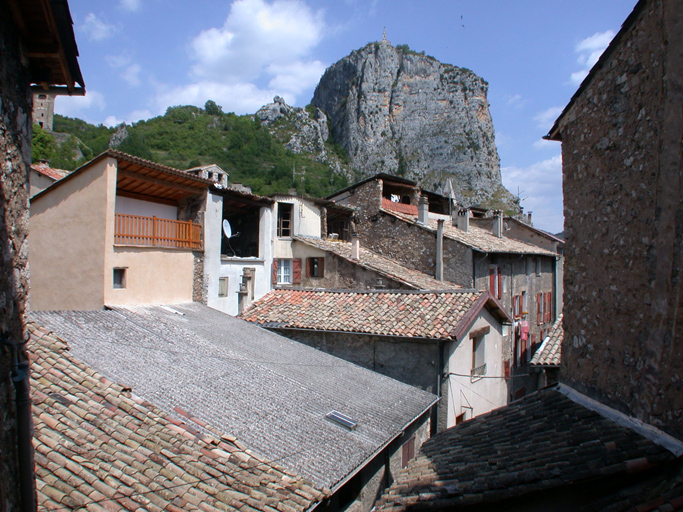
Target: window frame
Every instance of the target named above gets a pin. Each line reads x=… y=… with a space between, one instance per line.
x=120 y=284
x=285 y=217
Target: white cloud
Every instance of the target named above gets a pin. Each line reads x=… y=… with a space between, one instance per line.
x=545 y=144
x=540 y=187
x=241 y=98
x=546 y=118
x=74 y=106
x=589 y=51
x=111 y=121
x=96 y=29
x=132 y=75
x=260 y=43
x=131 y=5
x=117 y=61
x=516 y=100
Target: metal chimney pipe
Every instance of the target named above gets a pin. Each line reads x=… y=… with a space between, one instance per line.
x=498 y=223
x=439 y=250
x=423 y=211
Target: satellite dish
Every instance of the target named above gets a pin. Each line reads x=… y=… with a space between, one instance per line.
x=226 y=228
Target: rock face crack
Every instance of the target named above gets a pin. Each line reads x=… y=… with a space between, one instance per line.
x=405 y=113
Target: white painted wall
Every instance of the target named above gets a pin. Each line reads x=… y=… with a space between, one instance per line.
x=217 y=266
x=483 y=395
x=131 y=206
x=305 y=222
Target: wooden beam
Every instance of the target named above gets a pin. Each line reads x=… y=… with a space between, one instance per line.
x=163 y=183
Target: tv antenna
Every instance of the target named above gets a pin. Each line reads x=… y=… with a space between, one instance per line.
x=295 y=174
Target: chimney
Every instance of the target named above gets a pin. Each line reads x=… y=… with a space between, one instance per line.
x=529 y=220
x=423 y=211
x=439 y=250
x=498 y=223
x=463 y=220
x=355 y=246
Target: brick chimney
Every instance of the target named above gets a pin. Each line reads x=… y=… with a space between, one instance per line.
x=355 y=246
x=498 y=223
x=423 y=211
x=462 y=221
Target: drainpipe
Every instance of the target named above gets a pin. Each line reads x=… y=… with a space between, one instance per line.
x=439 y=250
x=20 y=380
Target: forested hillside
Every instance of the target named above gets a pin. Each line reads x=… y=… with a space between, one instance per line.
x=189 y=136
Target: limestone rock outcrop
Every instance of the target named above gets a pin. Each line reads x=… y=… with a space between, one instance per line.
x=401 y=112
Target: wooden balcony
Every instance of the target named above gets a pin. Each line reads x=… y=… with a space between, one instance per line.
x=155 y=232
x=408 y=209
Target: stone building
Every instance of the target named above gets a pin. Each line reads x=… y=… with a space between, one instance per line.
x=623 y=169
x=520 y=266
x=612 y=429
x=44 y=109
x=451 y=343
x=26 y=29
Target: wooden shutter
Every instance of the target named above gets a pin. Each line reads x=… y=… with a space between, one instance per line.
x=492 y=281
x=321 y=267
x=548 y=307
x=296 y=271
x=500 y=282
x=274 y=270
x=539 y=308
x=309 y=267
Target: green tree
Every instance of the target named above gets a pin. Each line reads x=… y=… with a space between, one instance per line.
x=212 y=108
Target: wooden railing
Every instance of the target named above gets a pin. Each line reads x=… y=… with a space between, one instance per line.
x=409 y=209
x=155 y=232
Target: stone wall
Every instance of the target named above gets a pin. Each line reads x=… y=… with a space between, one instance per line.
x=341 y=274
x=623 y=169
x=15 y=148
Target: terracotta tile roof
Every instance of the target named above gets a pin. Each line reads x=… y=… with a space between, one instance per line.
x=478 y=238
x=100 y=447
x=553 y=440
x=550 y=351
x=45 y=170
x=380 y=264
x=270 y=392
x=397 y=313
x=408 y=209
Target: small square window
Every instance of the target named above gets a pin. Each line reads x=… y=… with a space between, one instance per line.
x=222 y=286
x=316 y=267
x=119 y=278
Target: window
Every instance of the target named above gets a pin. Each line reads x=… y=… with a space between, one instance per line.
x=222 y=286
x=539 y=308
x=538 y=266
x=408 y=451
x=548 y=307
x=286 y=271
x=119 y=278
x=496 y=281
x=478 y=338
x=284 y=219
x=315 y=267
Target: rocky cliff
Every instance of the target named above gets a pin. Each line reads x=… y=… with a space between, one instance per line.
x=396 y=111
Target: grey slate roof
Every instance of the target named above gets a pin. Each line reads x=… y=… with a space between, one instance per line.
x=550 y=442
x=267 y=390
x=550 y=351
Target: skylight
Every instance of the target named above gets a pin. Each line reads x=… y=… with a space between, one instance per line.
x=341 y=419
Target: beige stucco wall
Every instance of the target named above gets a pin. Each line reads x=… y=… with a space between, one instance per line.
x=153 y=275
x=305 y=222
x=67 y=240
x=484 y=394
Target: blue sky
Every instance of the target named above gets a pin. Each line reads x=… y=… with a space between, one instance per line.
x=139 y=57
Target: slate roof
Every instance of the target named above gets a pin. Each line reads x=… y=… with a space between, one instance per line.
x=268 y=391
x=98 y=446
x=478 y=238
x=550 y=351
x=380 y=264
x=438 y=315
x=549 y=439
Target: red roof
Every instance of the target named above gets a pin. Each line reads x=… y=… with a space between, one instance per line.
x=439 y=315
x=45 y=170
